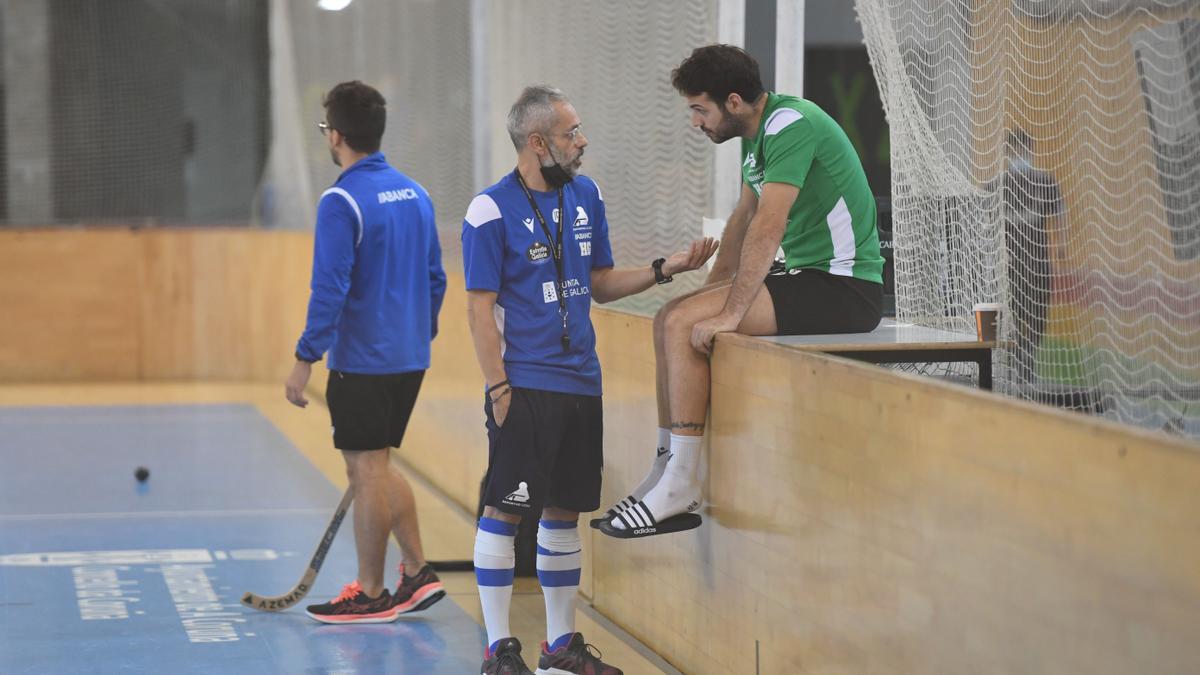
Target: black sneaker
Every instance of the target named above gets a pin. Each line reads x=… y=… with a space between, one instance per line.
x=353 y=606
x=416 y=593
x=576 y=658
x=506 y=660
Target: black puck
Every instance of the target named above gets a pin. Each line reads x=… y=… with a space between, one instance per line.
x=141 y=474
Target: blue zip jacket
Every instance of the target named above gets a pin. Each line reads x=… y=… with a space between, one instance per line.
x=377 y=279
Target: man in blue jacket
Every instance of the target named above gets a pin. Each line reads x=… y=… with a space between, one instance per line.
x=377 y=286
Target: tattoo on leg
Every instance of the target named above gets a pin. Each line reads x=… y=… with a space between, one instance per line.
x=691 y=426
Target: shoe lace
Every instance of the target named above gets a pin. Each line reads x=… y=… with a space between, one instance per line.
x=348 y=592
x=592 y=651
x=510 y=660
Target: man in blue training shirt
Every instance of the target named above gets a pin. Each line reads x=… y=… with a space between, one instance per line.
x=531 y=275
x=377 y=286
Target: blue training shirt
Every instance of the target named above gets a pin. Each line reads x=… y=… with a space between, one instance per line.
x=505 y=250
x=377 y=279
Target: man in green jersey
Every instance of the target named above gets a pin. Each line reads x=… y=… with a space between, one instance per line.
x=803 y=189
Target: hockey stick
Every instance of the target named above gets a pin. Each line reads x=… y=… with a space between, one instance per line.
x=452 y=565
x=279 y=603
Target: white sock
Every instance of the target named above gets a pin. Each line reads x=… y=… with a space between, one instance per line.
x=495 y=561
x=679 y=489
x=662 y=453
x=685 y=456
x=558 y=567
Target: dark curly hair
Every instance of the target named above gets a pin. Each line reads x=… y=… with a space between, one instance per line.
x=718 y=70
x=359 y=113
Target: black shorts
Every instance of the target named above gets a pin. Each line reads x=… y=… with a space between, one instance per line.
x=370 y=412
x=550 y=452
x=813 y=302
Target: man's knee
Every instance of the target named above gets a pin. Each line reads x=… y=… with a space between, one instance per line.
x=366 y=465
x=660 y=317
x=555 y=513
x=496 y=514
x=679 y=321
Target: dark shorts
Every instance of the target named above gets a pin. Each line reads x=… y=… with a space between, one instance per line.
x=812 y=302
x=550 y=452
x=370 y=412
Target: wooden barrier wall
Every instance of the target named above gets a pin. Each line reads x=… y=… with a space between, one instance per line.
x=858 y=520
x=121 y=304
x=865 y=521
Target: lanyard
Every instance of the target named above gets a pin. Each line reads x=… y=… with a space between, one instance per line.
x=556 y=252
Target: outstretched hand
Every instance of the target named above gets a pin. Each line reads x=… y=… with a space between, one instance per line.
x=692 y=257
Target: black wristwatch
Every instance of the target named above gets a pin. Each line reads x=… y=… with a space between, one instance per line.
x=659 y=277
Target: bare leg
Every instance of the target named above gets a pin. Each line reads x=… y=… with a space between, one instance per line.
x=688 y=385
x=404 y=522
x=660 y=350
x=496 y=514
x=659 y=461
x=688 y=369
x=660 y=366
x=370 y=478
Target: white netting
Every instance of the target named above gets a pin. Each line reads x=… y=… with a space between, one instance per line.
x=132 y=112
x=1046 y=155
x=174 y=111
x=418 y=55
x=612 y=59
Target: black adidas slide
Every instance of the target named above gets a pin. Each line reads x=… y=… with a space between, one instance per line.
x=612 y=513
x=639 y=522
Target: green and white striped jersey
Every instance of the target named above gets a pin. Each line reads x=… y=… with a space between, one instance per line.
x=831 y=225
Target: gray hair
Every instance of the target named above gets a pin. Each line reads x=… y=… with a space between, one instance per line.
x=533 y=112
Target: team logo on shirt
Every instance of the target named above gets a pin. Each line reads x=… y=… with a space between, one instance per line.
x=397 y=195
x=538 y=253
x=754 y=176
x=581 y=218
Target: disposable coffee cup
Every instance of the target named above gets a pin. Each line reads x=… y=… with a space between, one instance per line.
x=986 y=316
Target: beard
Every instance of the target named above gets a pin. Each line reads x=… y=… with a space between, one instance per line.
x=727 y=128
x=333 y=155
x=570 y=165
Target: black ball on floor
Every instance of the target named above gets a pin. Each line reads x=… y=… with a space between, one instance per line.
x=141 y=474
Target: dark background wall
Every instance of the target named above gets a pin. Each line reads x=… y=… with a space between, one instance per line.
x=157 y=111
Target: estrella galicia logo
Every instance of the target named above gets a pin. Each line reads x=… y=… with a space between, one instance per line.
x=538 y=253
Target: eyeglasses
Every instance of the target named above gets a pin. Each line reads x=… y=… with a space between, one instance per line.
x=324 y=127
x=570 y=135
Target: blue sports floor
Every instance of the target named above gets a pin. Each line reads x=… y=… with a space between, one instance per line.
x=101 y=574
